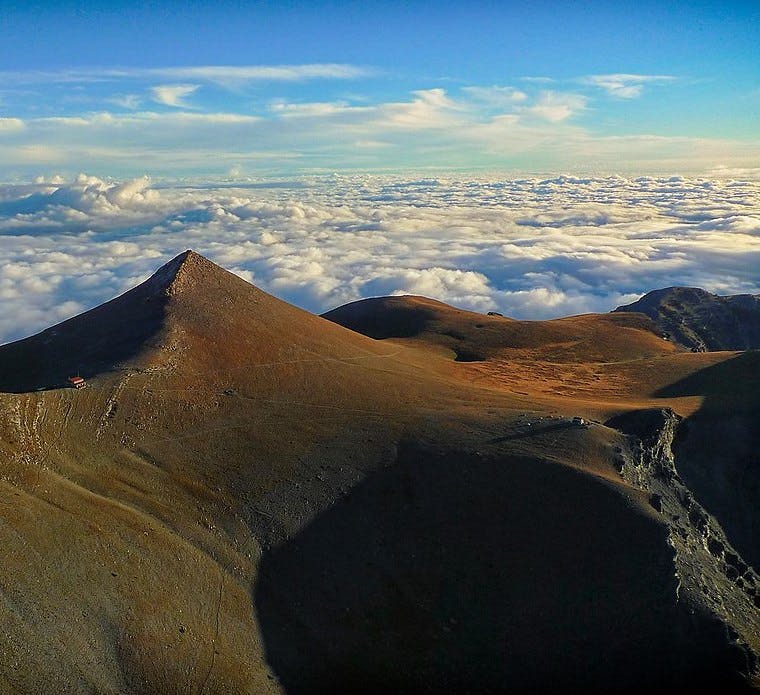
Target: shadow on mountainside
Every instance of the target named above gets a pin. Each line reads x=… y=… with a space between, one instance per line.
x=456 y=573
x=717 y=449
x=95 y=341
x=384 y=317
x=91 y=343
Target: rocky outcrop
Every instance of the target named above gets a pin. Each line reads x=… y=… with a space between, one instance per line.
x=711 y=573
x=716 y=446
x=702 y=321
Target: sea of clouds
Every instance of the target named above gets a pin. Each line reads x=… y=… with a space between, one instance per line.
x=530 y=248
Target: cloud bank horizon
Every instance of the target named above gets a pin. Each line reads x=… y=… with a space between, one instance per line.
x=530 y=248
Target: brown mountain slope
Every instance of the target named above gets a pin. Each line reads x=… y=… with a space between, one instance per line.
x=249 y=498
x=585 y=364
x=472 y=336
x=179 y=313
x=597 y=364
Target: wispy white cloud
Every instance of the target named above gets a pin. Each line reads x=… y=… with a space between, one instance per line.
x=429 y=109
x=504 y=97
x=372 y=144
x=126 y=101
x=538 y=79
x=625 y=86
x=722 y=171
x=35 y=154
x=495 y=127
x=557 y=106
x=225 y=75
x=173 y=94
x=319 y=109
x=141 y=118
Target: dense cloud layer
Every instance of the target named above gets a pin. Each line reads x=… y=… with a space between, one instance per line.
x=529 y=248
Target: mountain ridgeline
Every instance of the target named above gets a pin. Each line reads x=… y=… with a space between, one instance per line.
x=400 y=496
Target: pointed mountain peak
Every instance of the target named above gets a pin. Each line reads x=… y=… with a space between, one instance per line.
x=190 y=307
x=125 y=330
x=188 y=269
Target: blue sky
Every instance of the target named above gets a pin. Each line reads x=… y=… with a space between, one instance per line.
x=244 y=89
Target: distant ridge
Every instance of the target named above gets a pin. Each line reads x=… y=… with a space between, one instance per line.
x=477 y=337
x=701 y=321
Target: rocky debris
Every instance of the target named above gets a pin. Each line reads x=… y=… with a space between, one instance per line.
x=702 y=321
x=708 y=568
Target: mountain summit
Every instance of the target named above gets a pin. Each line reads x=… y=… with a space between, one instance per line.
x=128 y=330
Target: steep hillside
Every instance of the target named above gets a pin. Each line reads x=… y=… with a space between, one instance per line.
x=703 y=321
x=250 y=498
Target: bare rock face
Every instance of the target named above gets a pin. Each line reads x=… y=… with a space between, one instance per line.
x=711 y=572
x=702 y=321
x=716 y=448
